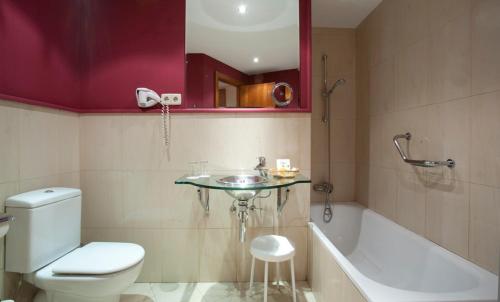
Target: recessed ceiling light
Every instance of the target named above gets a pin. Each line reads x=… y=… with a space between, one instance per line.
x=256 y=60
x=242 y=9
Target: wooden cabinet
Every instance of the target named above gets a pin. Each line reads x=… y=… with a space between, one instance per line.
x=256 y=95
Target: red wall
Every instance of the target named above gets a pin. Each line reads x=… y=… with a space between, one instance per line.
x=130 y=44
x=40 y=52
x=200 y=80
x=80 y=55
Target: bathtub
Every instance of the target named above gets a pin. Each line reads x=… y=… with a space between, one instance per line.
x=387 y=262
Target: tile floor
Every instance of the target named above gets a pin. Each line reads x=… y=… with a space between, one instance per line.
x=212 y=292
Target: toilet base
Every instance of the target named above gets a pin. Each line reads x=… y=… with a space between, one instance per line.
x=43 y=296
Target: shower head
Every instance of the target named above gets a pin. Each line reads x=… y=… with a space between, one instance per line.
x=335 y=85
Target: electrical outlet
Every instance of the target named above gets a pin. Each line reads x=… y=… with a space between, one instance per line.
x=171 y=99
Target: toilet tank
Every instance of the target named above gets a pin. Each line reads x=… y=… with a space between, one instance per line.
x=46 y=227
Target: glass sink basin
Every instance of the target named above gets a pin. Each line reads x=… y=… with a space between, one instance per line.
x=242 y=181
x=253 y=182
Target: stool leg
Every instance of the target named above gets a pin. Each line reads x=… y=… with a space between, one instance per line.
x=265 y=281
x=252 y=272
x=293 y=280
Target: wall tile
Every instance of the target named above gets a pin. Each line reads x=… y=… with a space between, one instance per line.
x=410 y=205
x=68 y=126
x=100 y=142
x=144 y=199
x=342 y=99
x=443 y=11
x=448 y=133
x=382 y=34
x=218 y=260
x=397 y=123
x=383 y=191
x=338 y=45
x=38 y=147
x=296 y=210
x=344 y=137
x=412 y=22
x=319 y=143
x=485 y=139
x=317 y=98
x=362 y=185
x=139 y=131
x=362 y=141
x=382 y=87
x=39 y=183
x=343 y=181
x=149 y=239
x=69 y=180
x=179 y=255
x=484 y=246
x=485 y=46
x=412 y=71
x=375 y=147
x=450 y=61
x=180 y=206
x=414 y=121
x=447 y=214
x=102 y=199
x=9 y=142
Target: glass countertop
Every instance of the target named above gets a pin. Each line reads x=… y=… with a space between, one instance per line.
x=212 y=182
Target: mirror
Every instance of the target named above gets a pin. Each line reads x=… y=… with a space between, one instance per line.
x=237 y=51
x=282 y=94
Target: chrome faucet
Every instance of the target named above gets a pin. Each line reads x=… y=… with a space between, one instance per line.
x=261 y=167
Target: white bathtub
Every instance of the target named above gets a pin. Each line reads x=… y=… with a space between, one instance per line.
x=386 y=262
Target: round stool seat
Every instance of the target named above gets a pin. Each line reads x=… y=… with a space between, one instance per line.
x=272 y=248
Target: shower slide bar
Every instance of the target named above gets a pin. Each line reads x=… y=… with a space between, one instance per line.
x=450 y=163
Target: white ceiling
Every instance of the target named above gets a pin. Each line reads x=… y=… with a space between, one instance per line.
x=341 y=13
x=269 y=30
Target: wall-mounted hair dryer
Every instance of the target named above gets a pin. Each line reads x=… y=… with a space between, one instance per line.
x=146 y=98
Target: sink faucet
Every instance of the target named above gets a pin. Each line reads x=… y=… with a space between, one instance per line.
x=261 y=167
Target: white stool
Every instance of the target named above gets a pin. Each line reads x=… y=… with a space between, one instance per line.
x=272 y=248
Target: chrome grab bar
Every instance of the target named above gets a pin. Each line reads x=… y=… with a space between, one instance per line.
x=450 y=163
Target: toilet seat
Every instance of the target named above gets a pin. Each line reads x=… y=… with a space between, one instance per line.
x=122 y=271
x=99 y=258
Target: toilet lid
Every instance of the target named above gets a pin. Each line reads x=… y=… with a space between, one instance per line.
x=99 y=258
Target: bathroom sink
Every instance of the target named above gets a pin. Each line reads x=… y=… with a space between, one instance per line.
x=242 y=180
x=239 y=183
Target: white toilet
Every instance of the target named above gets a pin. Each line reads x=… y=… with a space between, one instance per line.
x=44 y=244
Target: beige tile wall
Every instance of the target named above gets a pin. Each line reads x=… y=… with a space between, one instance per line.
x=339 y=45
x=432 y=68
x=39 y=148
x=128 y=179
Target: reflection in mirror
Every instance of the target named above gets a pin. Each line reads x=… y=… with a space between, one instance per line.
x=282 y=94
x=237 y=50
